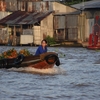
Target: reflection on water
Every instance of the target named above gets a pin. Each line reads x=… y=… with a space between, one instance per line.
x=77 y=78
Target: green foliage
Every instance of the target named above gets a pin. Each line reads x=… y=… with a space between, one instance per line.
x=50 y=40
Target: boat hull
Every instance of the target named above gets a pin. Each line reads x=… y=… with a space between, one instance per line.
x=41 y=65
x=43 y=61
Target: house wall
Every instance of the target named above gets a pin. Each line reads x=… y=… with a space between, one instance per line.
x=25 y=5
x=89 y=27
x=66 y=27
x=57 y=7
x=42 y=31
x=3 y=9
x=36 y=35
x=3 y=36
x=11 y=5
x=72 y=27
x=44 y=6
x=59 y=22
x=90 y=21
x=82 y=27
x=47 y=26
x=4 y=14
x=59 y=27
x=2 y=5
x=62 y=31
x=76 y=27
x=34 y=6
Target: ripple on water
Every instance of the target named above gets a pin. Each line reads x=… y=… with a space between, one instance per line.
x=77 y=78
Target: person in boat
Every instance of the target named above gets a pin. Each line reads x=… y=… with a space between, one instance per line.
x=42 y=48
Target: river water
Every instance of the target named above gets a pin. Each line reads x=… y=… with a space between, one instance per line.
x=77 y=78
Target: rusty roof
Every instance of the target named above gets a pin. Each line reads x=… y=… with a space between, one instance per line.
x=71 y=13
x=23 y=17
x=30 y=0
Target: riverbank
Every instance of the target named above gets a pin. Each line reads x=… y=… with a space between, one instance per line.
x=58 y=44
x=67 y=44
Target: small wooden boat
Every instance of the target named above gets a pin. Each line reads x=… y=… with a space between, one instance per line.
x=43 y=61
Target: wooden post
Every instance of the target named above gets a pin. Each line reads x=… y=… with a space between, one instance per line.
x=8 y=32
x=14 y=36
x=21 y=29
x=33 y=33
x=21 y=32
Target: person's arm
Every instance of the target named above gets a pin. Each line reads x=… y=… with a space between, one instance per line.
x=37 y=51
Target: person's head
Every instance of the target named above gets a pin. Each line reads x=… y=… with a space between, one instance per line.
x=44 y=43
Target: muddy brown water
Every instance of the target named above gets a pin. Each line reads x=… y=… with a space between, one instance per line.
x=77 y=78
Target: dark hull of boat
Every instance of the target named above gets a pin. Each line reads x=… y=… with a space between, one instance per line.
x=43 y=61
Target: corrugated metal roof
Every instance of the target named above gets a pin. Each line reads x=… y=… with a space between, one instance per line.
x=30 y=0
x=23 y=17
x=72 y=13
x=75 y=12
x=88 y=4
